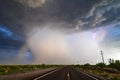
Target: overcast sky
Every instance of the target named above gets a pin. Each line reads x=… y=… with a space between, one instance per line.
x=59 y=31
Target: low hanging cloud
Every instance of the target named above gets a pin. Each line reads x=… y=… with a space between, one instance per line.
x=57 y=47
x=48 y=48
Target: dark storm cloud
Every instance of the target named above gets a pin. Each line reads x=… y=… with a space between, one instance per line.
x=11 y=14
x=8 y=39
x=17 y=15
x=103 y=13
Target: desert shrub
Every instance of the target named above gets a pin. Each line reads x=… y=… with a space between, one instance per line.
x=101 y=65
x=114 y=64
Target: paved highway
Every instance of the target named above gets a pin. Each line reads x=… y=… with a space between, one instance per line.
x=66 y=73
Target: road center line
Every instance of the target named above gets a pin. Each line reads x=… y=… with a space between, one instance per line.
x=68 y=76
x=45 y=74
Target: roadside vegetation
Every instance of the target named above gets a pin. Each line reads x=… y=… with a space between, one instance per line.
x=108 y=72
x=8 y=69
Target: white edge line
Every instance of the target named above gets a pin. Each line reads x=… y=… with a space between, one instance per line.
x=45 y=74
x=89 y=75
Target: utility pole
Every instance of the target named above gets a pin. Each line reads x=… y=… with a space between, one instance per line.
x=102 y=56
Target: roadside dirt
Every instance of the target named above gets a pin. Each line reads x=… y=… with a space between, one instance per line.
x=26 y=75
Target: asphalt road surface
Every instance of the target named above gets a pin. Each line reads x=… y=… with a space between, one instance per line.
x=66 y=73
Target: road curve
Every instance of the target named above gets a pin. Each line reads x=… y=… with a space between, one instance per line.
x=66 y=73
